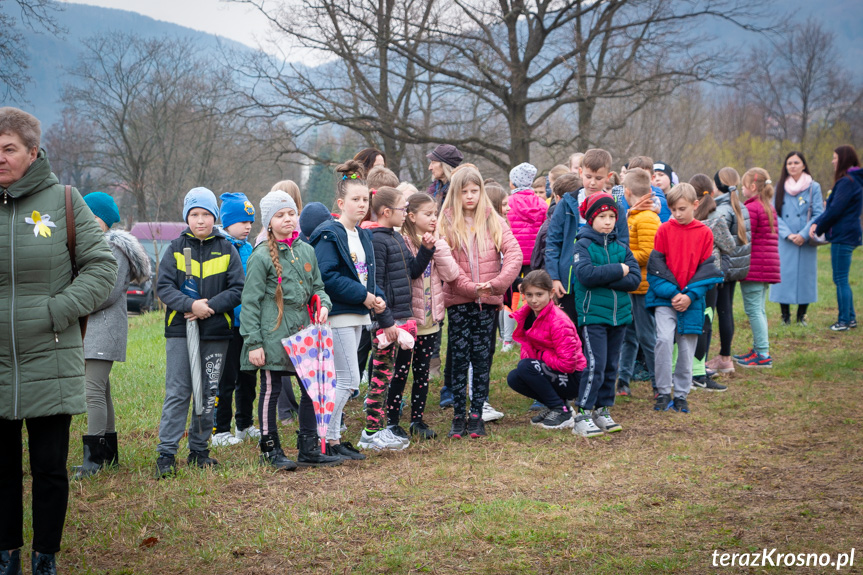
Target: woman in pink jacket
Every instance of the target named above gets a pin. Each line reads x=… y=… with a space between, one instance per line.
x=764 y=266
x=551 y=357
x=428 y=311
x=478 y=237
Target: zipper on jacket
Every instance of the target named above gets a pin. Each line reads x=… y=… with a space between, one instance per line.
x=613 y=292
x=15 y=382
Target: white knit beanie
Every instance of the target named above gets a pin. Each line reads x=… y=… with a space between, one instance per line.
x=272 y=203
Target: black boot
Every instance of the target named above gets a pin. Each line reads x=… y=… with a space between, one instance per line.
x=43 y=564
x=95 y=454
x=310 y=452
x=111 y=440
x=272 y=454
x=10 y=562
x=201 y=459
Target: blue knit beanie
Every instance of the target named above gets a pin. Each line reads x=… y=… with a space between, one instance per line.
x=200 y=198
x=313 y=215
x=236 y=208
x=103 y=207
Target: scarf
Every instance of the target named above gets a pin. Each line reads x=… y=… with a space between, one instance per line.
x=793 y=188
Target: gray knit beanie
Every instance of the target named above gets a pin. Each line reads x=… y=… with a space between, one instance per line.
x=272 y=203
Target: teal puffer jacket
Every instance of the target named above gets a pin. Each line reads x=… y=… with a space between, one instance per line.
x=41 y=352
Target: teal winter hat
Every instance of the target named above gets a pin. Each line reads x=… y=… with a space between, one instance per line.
x=103 y=207
x=200 y=198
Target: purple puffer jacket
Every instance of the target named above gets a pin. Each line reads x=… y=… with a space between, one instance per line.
x=764 y=263
x=526 y=215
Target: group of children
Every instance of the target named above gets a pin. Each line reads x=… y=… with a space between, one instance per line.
x=585 y=277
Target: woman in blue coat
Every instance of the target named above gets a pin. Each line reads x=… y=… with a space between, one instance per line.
x=798 y=202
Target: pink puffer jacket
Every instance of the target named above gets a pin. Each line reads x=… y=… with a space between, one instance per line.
x=526 y=215
x=443 y=269
x=552 y=339
x=764 y=263
x=484 y=267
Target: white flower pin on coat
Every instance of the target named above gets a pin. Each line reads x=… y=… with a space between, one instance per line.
x=42 y=224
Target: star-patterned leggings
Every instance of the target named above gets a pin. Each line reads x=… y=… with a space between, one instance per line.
x=421 y=356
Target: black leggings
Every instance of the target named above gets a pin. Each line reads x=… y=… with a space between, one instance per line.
x=703 y=344
x=801 y=311
x=725 y=313
x=271 y=387
x=421 y=356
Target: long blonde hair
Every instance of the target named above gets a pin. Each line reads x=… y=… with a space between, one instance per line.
x=452 y=223
x=729 y=182
x=764 y=190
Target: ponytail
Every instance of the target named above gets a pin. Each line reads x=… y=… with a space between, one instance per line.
x=274 y=255
x=727 y=180
x=764 y=190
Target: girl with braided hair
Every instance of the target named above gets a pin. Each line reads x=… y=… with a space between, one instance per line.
x=282 y=276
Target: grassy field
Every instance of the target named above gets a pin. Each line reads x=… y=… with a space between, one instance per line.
x=774 y=462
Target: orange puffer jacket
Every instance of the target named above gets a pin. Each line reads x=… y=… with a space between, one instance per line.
x=443 y=269
x=484 y=266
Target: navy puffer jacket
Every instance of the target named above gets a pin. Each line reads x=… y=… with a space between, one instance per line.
x=396 y=267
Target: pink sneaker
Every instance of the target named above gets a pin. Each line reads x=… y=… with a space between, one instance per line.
x=720 y=365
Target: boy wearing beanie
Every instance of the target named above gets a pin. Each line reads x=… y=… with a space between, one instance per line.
x=219 y=279
x=604 y=272
x=679 y=272
x=238 y=214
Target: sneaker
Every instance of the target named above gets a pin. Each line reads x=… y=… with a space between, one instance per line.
x=457 y=431
x=400 y=434
x=201 y=459
x=705 y=382
x=223 y=439
x=536 y=406
x=852 y=324
x=507 y=347
x=721 y=365
x=345 y=450
x=602 y=419
x=166 y=466
x=43 y=564
x=446 y=399
x=757 y=360
x=380 y=440
x=662 y=402
x=746 y=355
x=250 y=432
x=680 y=404
x=539 y=417
x=584 y=426
x=10 y=562
x=489 y=413
x=476 y=425
x=422 y=431
x=623 y=389
x=840 y=326
x=277 y=459
x=560 y=418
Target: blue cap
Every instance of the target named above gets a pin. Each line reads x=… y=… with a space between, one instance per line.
x=236 y=208
x=200 y=198
x=103 y=207
x=313 y=215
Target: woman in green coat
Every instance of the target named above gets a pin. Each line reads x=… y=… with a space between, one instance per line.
x=41 y=349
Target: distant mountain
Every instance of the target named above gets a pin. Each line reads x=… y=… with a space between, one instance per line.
x=50 y=56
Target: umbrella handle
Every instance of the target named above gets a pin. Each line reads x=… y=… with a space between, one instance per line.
x=314 y=308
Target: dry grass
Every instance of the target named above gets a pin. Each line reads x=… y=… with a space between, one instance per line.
x=773 y=462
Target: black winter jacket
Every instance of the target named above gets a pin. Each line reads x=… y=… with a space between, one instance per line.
x=396 y=267
x=221 y=283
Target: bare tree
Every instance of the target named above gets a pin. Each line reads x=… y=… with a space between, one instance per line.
x=37 y=15
x=71 y=146
x=797 y=80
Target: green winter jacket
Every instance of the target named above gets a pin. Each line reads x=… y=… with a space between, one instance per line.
x=301 y=279
x=41 y=352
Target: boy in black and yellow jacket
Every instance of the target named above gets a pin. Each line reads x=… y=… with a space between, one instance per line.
x=218 y=273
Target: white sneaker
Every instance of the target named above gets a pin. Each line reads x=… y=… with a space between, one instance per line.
x=585 y=427
x=223 y=439
x=380 y=440
x=489 y=413
x=507 y=346
x=250 y=432
x=602 y=419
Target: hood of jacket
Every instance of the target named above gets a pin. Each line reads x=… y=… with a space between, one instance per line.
x=139 y=261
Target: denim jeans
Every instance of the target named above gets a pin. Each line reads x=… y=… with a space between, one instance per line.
x=754 y=302
x=840 y=257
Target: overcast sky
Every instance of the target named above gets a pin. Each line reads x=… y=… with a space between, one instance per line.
x=237 y=22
